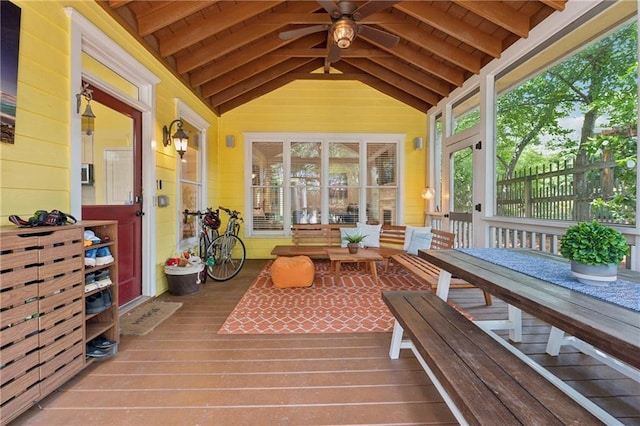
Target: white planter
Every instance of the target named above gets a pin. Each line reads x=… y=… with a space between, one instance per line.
x=599 y=275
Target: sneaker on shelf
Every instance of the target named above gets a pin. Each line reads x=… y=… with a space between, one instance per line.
x=90 y=283
x=94 y=304
x=95 y=352
x=103 y=278
x=90 y=257
x=103 y=256
x=90 y=238
x=102 y=342
x=106 y=298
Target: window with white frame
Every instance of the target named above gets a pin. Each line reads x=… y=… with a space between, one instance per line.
x=190 y=186
x=322 y=178
x=566 y=139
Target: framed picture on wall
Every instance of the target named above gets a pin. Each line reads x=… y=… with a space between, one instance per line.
x=9 y=48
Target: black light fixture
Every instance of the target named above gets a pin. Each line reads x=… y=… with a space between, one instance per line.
x=180 y=138
x=88 y=117
x=344 y=31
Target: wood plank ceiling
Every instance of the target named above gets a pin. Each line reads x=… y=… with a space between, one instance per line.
x=231 y=52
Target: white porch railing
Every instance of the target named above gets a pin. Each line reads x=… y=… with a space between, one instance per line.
x=525 y=233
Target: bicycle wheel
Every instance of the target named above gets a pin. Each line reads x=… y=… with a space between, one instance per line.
x=202 y=247
x=229 y=255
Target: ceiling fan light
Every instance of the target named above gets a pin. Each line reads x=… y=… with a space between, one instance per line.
x=343 y=33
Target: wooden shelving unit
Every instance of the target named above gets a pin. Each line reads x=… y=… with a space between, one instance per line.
x=104 y=323
x=43 y=325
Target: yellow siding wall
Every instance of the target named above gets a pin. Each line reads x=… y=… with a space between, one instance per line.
x=34 y=172
x=327 y=107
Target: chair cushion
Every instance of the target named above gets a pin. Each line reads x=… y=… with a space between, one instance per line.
x=372 y=233
x=419 y=241
x=296 y=271
x=409 y=230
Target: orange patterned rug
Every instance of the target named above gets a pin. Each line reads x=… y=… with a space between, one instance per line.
x=353 y=304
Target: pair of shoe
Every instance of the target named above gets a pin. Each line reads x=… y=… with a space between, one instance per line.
x=98 y=302
x=100 y=347
x=90 y=283
x=98 y=257
x=103 y=278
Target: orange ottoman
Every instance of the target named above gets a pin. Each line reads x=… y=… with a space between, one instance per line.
x=297 y=271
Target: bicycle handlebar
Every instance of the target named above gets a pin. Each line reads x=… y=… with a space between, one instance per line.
x=198 y=213
x=233 y=213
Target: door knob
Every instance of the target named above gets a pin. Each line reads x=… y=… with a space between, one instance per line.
x=139 y=213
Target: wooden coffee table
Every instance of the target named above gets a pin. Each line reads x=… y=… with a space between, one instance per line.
x=338 y=256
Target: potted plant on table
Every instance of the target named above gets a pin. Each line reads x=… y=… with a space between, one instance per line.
x=595 y=250
x=353 y=242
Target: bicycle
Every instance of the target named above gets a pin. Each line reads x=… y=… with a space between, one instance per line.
x=208 y=222
x=227 y=250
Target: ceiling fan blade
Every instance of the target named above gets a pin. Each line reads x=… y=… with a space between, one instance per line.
x=287 y=35
x=371 y=7
x=378 y=36
x=331 y=7
x=334 y=53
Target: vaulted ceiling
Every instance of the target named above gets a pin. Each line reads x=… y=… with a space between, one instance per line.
x=231 y=52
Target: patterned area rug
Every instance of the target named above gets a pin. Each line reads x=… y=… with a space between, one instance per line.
x=353 y=304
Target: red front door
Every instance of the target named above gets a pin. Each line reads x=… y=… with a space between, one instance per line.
x=115 y=190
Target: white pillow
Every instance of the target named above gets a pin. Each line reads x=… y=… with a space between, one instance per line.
x=347 y=231
x=409 y=230
x=372 y=233
x=419 y=241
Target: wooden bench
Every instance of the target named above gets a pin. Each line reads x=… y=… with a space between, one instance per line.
x=428 y=272
x=314 y=240
x=481 y=381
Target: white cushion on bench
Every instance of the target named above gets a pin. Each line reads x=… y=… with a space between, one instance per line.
x=419 y=241
x=372 y=233
x=410 y=230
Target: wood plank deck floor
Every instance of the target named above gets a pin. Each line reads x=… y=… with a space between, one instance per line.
x=183 y=373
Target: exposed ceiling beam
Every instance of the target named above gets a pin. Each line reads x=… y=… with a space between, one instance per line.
x=268 y=87
x=168 y=14
x=206 y=25
x=394 y=79
x=435 y=45
x=450 y=25
x=252 y=68
x=257 y=80
x=387 y=89
x=556 y=4
x=212 y=49
x=417 y=76
x=500 y=14
x=237 y=59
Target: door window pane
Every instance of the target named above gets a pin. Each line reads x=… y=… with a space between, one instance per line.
x=107 y=159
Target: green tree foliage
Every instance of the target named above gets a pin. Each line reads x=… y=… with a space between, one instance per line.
x=598 y=84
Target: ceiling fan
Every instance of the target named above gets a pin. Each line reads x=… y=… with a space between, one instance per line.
x=344 y=27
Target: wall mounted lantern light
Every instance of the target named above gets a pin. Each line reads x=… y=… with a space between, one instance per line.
x=88 y=117
x=179 y=138
x=344 y=31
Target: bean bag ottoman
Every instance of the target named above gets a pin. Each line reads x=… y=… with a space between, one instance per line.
x=297 y=271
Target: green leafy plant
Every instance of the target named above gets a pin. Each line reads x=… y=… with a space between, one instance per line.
x=354 y=238
x=592 y=243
